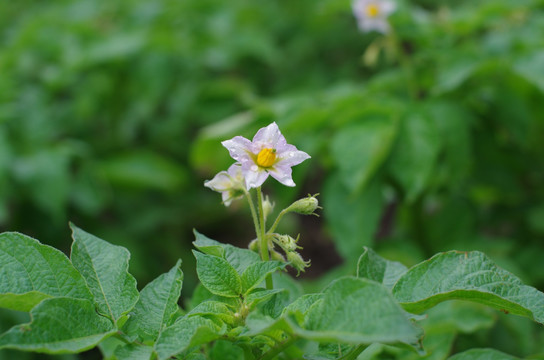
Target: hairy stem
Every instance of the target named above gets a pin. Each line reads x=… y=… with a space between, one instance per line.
x=263 y=241
x=277 y=221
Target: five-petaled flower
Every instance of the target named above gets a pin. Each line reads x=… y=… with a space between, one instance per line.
x=229 y=183
x=372 y=14
x=267 y=154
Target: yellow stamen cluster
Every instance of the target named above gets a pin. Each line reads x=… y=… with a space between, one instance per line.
x=372 y=10
x=266 y=157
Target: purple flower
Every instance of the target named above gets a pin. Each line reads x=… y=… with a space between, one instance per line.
x=229 y=183
x=372 y=14
x=267 y=154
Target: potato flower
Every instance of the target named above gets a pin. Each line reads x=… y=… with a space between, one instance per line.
x=372 y=14
x=229 y=183
x=267 y=154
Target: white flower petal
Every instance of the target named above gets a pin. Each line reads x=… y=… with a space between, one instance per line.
x=268 y=136
x=283 y=175
x=291 y=158
x=221 y=182
x=239 y=148
x=255 y=178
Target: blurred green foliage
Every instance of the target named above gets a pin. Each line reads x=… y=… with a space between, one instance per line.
x=425 y=139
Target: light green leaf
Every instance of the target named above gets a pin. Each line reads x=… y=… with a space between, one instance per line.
x=144 y=170
x=105 y=269
x=360 y=150
x=156 y=305
x=255 y=273
x=134 y=352
x=217 y=275
x=530 y=67
x=482 y=354
x=239 y=258
x=415 y=153
x=372 y=266
x=32 y=272
x=258 y=296
x=359 y=311
x=215 y=309
x=185 y=333
x=59 y=325
x=352 y=218
x=467 y=276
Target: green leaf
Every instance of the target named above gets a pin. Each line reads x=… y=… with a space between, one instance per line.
x=467 y=276
x=226 y=350
x=59 y=325
x=143 y=170
x=255 y=273
x=239 y=258
x=32 y=272
x=185 y=333
x=530 y=67
x=353 y=218
x=359 y=150
x=415 y=153
x=217 y=275
x=105 y=269
x=359 y=311
x=482 y=354
x=215 y=309
x=156 y=305
x=258 y=296
x=133 y=352
x=372 y=266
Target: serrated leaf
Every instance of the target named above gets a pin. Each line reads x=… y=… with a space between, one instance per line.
x=105 y=269
x=255 y=273
x=372 y=266
x=482 y=354
x=360 y=150
x=467 y=276
x=156 y=305
x=217 y=275
x=59 y=325
x=32 y=272
x=359 y=311
x=185 y=333
x=258 y=296
x=239 y=258
x=215 y=309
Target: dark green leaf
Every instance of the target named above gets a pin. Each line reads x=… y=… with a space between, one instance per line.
x=31 y=272
x=59 y=325
x=217 y=275
x=255 y=273
x=105 y=269
x=372 y=266
x=467 y=276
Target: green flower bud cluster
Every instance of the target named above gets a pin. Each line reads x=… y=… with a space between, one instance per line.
x=290 y=247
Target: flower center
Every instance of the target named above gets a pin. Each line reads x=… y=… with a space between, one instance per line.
x=266 y=157
x=372 y=10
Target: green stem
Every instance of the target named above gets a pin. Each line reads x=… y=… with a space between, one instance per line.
x=263 y=241
x=354 y=353
x=277 y=221
x=271 y=354
x=253 y=214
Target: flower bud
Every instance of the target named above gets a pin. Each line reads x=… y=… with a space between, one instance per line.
x=286 y=242
x=254 y=245
x=274 y=255
x=305 y=206
x=296 y=261
x=268 y=206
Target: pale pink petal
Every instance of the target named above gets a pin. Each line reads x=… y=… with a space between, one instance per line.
x=291 y=158
x=283 y=175
x=387 y=7
x=255 y=177
x=239 y=148
x=268 y=136
x=221 y=182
